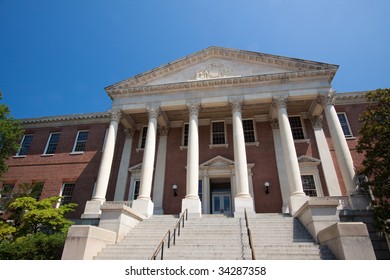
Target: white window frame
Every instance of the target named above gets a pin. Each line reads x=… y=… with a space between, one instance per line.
x=216 y=145
x=347 y=124
x=62 y=191
x=311 y=168
x=304 y=139
x=184 y=145
x=21 y=145
x=256 y=142
x=48 y=142
x=77 y=140
x=144 y=127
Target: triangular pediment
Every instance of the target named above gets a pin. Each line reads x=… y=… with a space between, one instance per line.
x=307 y=160
x=136 y=168
x=218 y=161
x=217 y=63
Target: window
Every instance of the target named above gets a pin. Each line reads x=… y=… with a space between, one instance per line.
x=25 y=145
x=249 y=131
x=185 y=134
x=52 y=143
x=81 y=141
x=345 y=125
x=218 y=132
x=36 y=190
x=309 y=185
x=296 y=128
x=144 y=131
x=67 y=193
x=137 y=184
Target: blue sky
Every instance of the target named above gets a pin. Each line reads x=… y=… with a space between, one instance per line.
x=56 y=57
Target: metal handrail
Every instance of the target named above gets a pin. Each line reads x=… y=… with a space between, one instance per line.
x=249 y=236
x=160 y=247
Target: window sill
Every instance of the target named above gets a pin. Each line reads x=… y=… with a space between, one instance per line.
x=183 y=148
x=211 y=146
x=47 y=155
x=139 y=150
x=76 y=153
x=350 y=138
x=302 y=141
x=19 y=156
x=252 y=144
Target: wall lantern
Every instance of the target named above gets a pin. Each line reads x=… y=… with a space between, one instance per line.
x=174 y=187
x=266 y=187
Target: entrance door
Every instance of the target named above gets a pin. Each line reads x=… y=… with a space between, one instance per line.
x=221 y=203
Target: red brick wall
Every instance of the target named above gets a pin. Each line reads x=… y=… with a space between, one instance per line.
x=61 y=167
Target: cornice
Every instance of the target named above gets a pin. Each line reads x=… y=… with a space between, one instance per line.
x=290 y=64
x=345 y=98
x=267 y=79
x=66 y=119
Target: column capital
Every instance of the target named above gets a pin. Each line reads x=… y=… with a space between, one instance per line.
x=153 y=111
x=236 y=105
x=279 y=102
x=115 y=115
x=163 y=130
x=316 y=121
x=327 y=99
x=274 y=123
x=193 y=108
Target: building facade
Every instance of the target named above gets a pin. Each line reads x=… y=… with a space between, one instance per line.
x=219 y=131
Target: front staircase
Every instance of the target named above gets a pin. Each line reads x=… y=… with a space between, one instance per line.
x=218 y=237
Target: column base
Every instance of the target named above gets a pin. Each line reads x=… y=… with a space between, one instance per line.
x=194 y=207
x=241 y=203
x=143 y=206
x=92 y=209
x=296 y=202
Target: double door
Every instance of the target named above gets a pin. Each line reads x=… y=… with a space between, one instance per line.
x=221 y=203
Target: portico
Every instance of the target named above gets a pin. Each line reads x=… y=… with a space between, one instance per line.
x=241 y=91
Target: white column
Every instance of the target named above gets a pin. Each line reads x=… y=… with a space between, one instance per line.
x=107 y=157
x=243 y=199
x=159 y=177
x=297 y=196
x=92 y=207
x=340 y=144
x=191 y=200
x=282 y=173
x=143 y=203
x=124 y=166
x=328 y=168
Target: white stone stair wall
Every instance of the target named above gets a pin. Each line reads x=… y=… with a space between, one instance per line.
x=141 y=242
x=282 y=237
x=212 y=237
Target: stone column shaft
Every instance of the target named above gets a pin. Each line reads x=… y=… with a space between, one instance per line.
x=149 y=155
x=340 y=144
x=297 y=196
x=240 y=161
x=328 y=168
x=107 y=157
x=242 y=200
x=143 y=203
x=191 y=202
x=124 y=166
